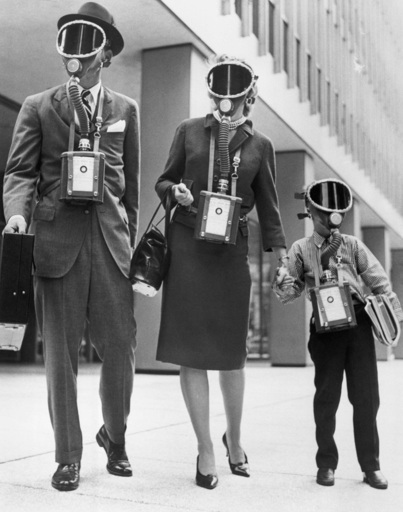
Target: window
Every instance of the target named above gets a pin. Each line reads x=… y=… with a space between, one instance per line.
x=336 y=113
x=328 y=103
x=272 y=8
x=309 y=77
x=298 y=62
x=285 y=46
x=319 y=89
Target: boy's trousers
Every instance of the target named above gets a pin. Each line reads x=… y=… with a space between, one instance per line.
x=350 y=351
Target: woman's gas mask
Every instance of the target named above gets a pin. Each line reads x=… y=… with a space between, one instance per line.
x=79 y=41
x=230 y=81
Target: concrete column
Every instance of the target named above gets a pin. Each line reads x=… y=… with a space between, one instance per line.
x=397 y=285
x=377 y=240
x=173 y=89
x=352 y=221
x=289 y=325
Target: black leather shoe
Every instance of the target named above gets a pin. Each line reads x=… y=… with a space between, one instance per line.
x=118 y=462
x=239 y=469
x=325 y=476
x=67 y=477
x=375 y=479
x=206 y=481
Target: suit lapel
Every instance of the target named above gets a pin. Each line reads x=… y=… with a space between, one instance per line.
x=107 y=109
x=61 y=104
x=241 y=135
x=62 y=107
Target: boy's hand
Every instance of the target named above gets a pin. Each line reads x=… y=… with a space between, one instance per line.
x=283 y=278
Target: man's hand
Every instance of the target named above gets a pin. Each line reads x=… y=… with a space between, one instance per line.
x=16 y=224
x=182 y=194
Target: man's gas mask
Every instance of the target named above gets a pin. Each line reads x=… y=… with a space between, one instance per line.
x=78 y=41
x=82 y=175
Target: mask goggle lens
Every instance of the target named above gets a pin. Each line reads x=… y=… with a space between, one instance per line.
x=230 y=80
x=330 y=195
x=80 y=39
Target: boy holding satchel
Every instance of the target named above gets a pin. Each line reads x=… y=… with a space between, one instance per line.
x=328 y=266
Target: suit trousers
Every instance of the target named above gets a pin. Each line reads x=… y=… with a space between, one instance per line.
x=351 y=351
x=94 y=293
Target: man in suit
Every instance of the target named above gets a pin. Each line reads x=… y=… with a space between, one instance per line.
x=82 y=249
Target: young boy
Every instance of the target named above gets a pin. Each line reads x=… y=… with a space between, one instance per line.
x=336 y=256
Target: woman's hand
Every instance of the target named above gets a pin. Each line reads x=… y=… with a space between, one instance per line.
x=182 y=194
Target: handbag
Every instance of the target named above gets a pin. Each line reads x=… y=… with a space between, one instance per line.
x=150 y=260
x=385 y=325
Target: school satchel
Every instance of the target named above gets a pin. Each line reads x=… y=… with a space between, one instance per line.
x=15 y=288
x=385 y=325
x=150 y=261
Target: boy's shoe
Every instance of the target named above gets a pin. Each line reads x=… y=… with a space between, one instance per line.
x=325 y=476
x=375 y=479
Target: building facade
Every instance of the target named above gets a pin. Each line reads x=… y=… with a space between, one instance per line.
x=330 y=76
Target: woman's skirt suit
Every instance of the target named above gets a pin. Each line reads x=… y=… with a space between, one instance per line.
x=206 y=294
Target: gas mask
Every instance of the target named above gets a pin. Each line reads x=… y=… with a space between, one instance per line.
x=334 y=198
x=230 y=81
x=330 y=196
x=83 y=171
x=331 y=296
x=79 y=40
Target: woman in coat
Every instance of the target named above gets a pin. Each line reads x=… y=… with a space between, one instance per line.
x=205 y=306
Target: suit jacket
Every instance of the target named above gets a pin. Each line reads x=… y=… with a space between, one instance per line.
x=31 y=186
x=189 y=161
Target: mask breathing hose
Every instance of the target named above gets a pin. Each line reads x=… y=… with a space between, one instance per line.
x=79 y=107
x=223 y=140
x=331 y=249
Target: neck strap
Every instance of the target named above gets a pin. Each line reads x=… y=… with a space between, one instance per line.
x=317 y=265
x=236 y=161
x=98 y=120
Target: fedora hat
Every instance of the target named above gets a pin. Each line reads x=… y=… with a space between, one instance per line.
x=91 y=11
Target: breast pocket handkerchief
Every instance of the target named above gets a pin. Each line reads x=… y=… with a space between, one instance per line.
x=119 y=126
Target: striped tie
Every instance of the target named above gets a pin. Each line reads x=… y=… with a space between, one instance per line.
x=85 y=95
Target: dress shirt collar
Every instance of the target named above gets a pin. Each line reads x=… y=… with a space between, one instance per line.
x=318 y=239
x=94 y=93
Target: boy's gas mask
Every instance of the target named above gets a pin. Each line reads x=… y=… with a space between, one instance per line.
x=330 y=196
x=334 y=198
x=331 y=297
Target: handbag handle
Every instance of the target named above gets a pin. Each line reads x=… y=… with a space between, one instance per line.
x=168 y=202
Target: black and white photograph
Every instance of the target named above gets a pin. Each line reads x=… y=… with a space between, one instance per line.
x=201 y=255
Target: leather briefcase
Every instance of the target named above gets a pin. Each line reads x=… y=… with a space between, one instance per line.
x=15 y=277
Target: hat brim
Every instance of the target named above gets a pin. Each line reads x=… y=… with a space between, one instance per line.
x=111 y=32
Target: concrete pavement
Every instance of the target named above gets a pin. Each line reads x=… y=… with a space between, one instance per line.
x=278 y=436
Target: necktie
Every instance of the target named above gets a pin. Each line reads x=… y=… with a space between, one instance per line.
x=86 y=96
x=330 y=248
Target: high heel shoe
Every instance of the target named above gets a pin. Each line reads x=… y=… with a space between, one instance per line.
x=206 y=481
x=239 y=469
